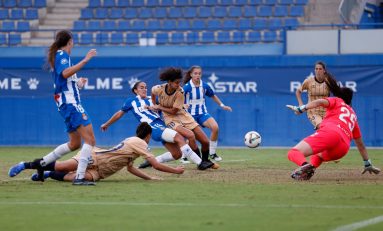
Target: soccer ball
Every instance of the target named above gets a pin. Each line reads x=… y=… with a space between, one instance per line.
x=252 y=139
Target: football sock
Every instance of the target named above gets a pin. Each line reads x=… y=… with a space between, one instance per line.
x=294 y=155
x=55 y=154
x=316 y=161
x=196 y=151
x=166 y=157
x=32 y=165
x=205 y=155
x=213 y=147
x=85 y=156
x=188 y=152
x=57 y=175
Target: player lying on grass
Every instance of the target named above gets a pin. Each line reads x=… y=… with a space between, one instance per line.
x=332 y=140
x=105 y=162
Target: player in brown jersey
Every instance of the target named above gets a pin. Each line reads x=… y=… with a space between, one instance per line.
x=106 y=162
x=171 y=100
x=316 y=89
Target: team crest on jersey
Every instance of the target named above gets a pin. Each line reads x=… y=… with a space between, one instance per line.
x=84 y=117
x=64 y=61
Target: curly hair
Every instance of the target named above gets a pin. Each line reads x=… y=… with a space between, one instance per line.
x=171 y=74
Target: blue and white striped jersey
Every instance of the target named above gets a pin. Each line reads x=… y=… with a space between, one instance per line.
x=137 y=106
x=66 y=90
x=195 y=97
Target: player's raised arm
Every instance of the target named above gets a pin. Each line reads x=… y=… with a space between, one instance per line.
x=68 y=72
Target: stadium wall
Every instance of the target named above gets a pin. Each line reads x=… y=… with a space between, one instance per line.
x=257 y=84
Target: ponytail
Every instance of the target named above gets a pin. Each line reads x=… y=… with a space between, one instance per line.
x=62 y=38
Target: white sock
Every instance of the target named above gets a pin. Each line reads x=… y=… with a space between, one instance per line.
x=55 y=154
x=213 y=147
x=166 y=157
x=188 y=152
x=85 y=157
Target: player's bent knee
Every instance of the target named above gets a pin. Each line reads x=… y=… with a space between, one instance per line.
x=168 y=135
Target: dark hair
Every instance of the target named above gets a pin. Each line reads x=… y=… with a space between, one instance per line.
x=171 y=74
x=187 y=76
x=135 y=86
x=322 y=64
x=344 y=93
x=143 y=130
x=62 y=38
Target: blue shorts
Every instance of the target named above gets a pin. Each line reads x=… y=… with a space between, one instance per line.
x=200 y=119
x=158 y=127
x=74 y=116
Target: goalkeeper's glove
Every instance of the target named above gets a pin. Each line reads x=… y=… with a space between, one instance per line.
x=368 y=167
x=297 y=110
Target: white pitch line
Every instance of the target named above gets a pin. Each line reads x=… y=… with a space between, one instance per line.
x=361 y=224
x=112 y=203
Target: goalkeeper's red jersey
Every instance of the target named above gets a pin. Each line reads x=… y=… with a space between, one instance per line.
x=340 y=114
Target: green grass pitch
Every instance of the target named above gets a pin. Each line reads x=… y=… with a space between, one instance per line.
x=251 y=191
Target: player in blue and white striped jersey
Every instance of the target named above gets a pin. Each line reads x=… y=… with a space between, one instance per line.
x=195 y=91
x=172 y=140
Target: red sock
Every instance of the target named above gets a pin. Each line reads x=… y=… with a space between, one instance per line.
x=294 y=155
x=316 y=161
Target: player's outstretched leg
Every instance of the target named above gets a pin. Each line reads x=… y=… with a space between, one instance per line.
x=16 y=169
x=35 y=176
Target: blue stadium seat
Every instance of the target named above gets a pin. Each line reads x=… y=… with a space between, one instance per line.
x=177 y=38
x=109 y=3
x=79 y=25
x=192 y=37
x=207 y=37
x=123 y=3
x=116 y=13
x=153 y=25
x=86 y=38
x=109 y=25
x=255 y=2
x=183 y=24
x=31 y=14
x=223 y=37
x=132 y=38
x=94 y=3
x=270 y=2
x=25 y=3
x=102 y=38
x=219 y=12
x=123 y=25
x=265 y=11
x=167 y=3
x=9 y=3
x=3 y=39
x=292 y=23
x=162 y=38
x=211 y=2
x=8 y=26
x=197 y=2
x=297 y=11
x=245 y=24
x=169 y=24
x=198 y=24
x=281 y=11
x=182 y=2
x=259 y=24
x=270 y=36
x=189 y=12
x=238 y=37
x=153 y=3
x=286 y=2
x=204 y=12
x=275 y=23
x=230 y=24
x=4 y=14
x=117 y=38
x=160 y=12
x=235 y=11
x=101 y=13
x=86 y=13
x=240 y=2
x=214 y=24
x=301 y=2
x=131 y=13
x=17 y=14
x=94 y=25
x=40 y=3
x=227 y=2
x=253 y=37
x=249 y=11
x=145 y=13
x=146 y=35
x=175 y=12
x=14 y=39
x=75 y=38
x=138 y=25
x=23 y=26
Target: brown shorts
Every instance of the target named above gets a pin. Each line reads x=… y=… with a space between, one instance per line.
x=92 y=168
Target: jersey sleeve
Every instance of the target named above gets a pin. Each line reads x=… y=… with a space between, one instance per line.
x=331 y=102
x=356 y=132
x=127 y=105
x=209 y=90
x=61 y=62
